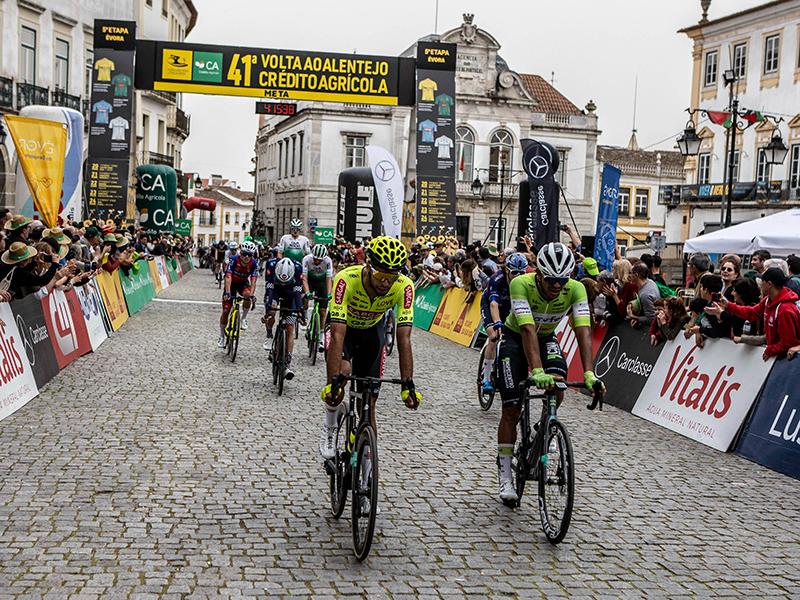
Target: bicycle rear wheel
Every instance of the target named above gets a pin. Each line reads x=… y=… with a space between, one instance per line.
x=485 y=399
x=390 y=329
x=365 y=491
x=557 y=484
x=237 y=323
x=340 y=464
x=282 y=356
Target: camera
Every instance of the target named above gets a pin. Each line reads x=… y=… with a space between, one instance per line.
x=562 y=227
x=47 y=258
x=70 y=255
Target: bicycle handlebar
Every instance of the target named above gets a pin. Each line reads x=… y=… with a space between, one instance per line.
x=563 y=385
x=339 y=380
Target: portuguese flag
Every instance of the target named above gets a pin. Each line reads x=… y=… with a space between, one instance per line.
x=720 y=118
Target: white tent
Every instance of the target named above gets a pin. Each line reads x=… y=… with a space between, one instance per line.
x=778 y=233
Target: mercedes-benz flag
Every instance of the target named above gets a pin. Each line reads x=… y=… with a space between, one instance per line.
x=389 y=187
x=538 y=208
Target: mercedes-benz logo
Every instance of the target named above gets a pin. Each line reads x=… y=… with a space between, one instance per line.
x=25 y=334
x=384 y=170
x=606 y=357
x=538 y=167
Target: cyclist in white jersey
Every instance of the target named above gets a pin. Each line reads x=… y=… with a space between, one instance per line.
x=294 y=245
x=231 y=252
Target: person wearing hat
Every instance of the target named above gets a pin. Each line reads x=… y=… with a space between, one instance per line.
x=777 y=310
x=63 y=241
x=17 y=228
x=588 y=269
x=88 y=242
x=16 y=269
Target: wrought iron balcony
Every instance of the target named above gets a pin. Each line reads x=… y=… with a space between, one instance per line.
x=62 y=98
x=6 y=92
x=178 y=121
x=154 y=158
x=29 y=94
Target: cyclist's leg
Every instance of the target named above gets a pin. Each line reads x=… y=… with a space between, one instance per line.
x=286 y=302
x=320 y=289
x=553 y=361
x=513 y=370
x=491 y=346
x=370 y=358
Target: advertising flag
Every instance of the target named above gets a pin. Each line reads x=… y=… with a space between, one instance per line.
x=156 y=190
x=606 y=237
x=538 y=202
x=41 y=147
x=389 y=186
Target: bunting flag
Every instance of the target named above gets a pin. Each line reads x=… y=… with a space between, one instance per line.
x=720 y=118
x=752 y=116
x=461 y=165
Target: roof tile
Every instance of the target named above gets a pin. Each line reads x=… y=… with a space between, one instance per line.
x=550 y=99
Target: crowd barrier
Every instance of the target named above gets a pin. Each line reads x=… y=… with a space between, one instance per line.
x=38 y=338
x=453 y=313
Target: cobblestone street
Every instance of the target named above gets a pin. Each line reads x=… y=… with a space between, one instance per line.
x=155 y=468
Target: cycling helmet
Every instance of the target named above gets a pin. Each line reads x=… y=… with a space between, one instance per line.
x=387 y=253
x=555 y=260
x=284 y=270
x=233 y=245
x=320 y=251
x=248 y=247
x=296 y=224
x=429 y=245
x=517 y=263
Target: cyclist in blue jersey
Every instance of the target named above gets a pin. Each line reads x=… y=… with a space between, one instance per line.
x=495 y=306
x=283 y=278
x=240 y=278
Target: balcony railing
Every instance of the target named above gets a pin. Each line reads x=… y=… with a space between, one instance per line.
x=154 y=158
x=6 y=92
x=178 y=120
x=168 y=97
x=29 y=94
x=490 y=189
x=61 y=98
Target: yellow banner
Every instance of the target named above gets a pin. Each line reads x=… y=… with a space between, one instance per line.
x=41 y=146
x=457 y=319
x=113 y=298
x=154 y=273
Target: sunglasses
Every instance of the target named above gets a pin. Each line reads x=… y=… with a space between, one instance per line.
x=556 y=280
x=383 y=276
x=727 y=269
x=250 y=254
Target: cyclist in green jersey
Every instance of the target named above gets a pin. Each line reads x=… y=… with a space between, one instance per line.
x=539 y=301
x=318 y=281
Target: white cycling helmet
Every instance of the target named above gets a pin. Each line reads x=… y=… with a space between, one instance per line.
x=284 y=270
x=248 y=247
x=320 y=251
x=296 y=223
x=555 y=260
x=233 y=245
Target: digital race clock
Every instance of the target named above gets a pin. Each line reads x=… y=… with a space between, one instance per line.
x=276 y=108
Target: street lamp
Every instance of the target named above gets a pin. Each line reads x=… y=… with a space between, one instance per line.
x=198 y=183
x=776 y=151
x=477 y=187
x=689 y=142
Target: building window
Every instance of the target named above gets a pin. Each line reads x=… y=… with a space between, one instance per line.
x=497 y=234
x=286 y=158
x=202 y=220
x=740 y=60
x=642 y=203
x=164 y=8
x=771 y=54
x=236 y=218
x=294 y=152
x=300 y=156
x=465 y=152
x=736 y=165
x=354 y=153
x=89 y=64
x=212 y=239
x=794 y=167
x=236 y=236
x=462 y=228
x=561 y=177
x=762 y=167
x=624 y=201
x=280 y=158
x=212 y=219
x=62 y=65
x=704 y=168
x=28 y=55
x=149 y=3
x=711 y=69
x=501 y=154
x=227 y=218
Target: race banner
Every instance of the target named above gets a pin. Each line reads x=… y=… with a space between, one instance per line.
x=41 y=147
x=605 y=240
x=156 y=191
x=172 y=269
x=161 y=267
x=35 y=338
x=17 y=383
x=183 y=227
x=389 y=187
x=113 y=298
x=569 y=347
x=64 y=316
x=91 y=305
x=435 y=141
x=426 y=303
x=772 y=436
x=468 y=317
x=323 y=235
x=538 y=195
x=703 y=393
x=624 y=361
x=359 y=217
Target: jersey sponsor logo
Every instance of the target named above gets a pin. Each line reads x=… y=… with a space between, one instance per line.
x=548 y=319
x=340 y=289
x=581 y=309
x=521 y=307
x=408 y=300
x=364 y=314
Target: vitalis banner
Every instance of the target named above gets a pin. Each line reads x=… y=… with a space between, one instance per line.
x=17 y=384
x=538 y=196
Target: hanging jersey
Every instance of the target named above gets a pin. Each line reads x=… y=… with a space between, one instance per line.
x=321 y=271
x=295 y=248
x=104 y=67
x=428 y=87
x=121 y=83
x=443 y=103
x=444 y=144
x=427 y=128
x=102 y=109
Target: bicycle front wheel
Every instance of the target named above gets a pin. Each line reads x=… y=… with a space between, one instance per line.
x=365 y=491
x=485 y=399
x=314 y=339
x=557 y=483
x=237 y=323
x=275 y=354
x=341 y=464
x=282 y=356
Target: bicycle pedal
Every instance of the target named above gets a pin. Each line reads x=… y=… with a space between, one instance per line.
x=511 y=503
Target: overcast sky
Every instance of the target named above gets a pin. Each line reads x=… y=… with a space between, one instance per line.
x=596 y=50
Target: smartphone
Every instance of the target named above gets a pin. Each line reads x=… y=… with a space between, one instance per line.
x=47 y=258
x=715 y=296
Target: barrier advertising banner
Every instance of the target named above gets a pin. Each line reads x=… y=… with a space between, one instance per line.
x=323 y=235
x=465 y=318
x=624 y=362
x=91 y=304
x=569 y=346
x=137 y=289
x=113 y=298
x=156 y=189
x=446 y=315
x=161 y=267
x=703 y=393
x=426 y=302
x=172 y=269
x=35 y=338
x=772 y=437
x=64 y=316
x=17 y=383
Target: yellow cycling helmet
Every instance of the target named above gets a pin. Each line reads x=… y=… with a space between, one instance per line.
x=387 y=253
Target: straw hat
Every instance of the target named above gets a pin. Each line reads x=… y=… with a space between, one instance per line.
x=58 y=235
x=18 y=252
x=110 y=238
x=17 y=222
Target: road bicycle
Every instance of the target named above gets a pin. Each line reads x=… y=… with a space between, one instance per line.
x=485 y=398
x=234 y=327
x=314 y=332
x=355 y=465
x=279 y=353
x=389 y=331
x=220 y=275
x=544 y=454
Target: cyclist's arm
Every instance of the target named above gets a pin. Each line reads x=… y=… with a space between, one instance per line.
x=329 y=279
x=404 y=348
x=329 y=276
x=494 y=310
x=521 y=307
x=269 y=283
x=306 y=289
x=228 y=277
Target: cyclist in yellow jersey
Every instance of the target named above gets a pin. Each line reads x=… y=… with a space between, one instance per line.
x=361 y=296
x=539 y=301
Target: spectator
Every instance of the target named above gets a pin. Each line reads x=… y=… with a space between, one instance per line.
x=745 y=293
x=657 y=277
x=729 y=270
x=425 y=255
x=777 y=310
x=592 y=296
x=696 y=309
x=648 y=293
x=491 y=248
x=733 y=258
x=588 y=268
x=699 y=265
x=5 y=217
x=757 y=262
x=669 y=321
x=467 y=280
x=18 y=229
x=358 y=251
x=794 y=268
x=783 y=266
x=604 y=306
x=709 y=325
x=623 y=292
x=16 y=272
x=650 y=261
x=574 y=240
